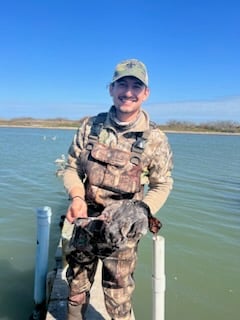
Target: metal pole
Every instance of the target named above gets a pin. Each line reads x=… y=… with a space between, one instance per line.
x=41 y=266
x=159 y=279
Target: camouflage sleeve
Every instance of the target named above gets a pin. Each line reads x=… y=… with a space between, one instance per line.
x=159 y=171
x=73 y=174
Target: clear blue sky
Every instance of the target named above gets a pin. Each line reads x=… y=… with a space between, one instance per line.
x=57 y=57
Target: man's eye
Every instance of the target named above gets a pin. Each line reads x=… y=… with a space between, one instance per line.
x=122 y=84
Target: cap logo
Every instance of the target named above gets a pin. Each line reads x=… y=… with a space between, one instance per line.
x=130 y=65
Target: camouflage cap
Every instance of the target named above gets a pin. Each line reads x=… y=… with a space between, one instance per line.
x=133 y=68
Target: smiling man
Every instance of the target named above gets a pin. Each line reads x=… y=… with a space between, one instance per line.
x=112 y=157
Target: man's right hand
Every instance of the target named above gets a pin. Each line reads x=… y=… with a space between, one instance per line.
x=77 y=209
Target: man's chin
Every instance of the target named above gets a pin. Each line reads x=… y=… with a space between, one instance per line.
x=126 y=107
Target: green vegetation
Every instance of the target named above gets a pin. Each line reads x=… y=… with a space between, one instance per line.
x=178 y=126
x=215 y=126
x=43 y=123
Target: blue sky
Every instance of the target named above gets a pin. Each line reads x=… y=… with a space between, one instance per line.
x=57 y=57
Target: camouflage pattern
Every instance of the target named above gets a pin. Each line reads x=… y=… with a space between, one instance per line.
x=111 y=169
x=117 y=281
x=81 y=271
x=156 y=164
x=131 y=67
x=155 y=171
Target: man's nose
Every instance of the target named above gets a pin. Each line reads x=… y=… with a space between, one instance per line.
x=129 y=91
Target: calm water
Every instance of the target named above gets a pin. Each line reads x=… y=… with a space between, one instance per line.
x=201 y=224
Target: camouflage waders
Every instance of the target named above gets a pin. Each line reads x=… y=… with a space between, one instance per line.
x=117 y=281
x=113 y=164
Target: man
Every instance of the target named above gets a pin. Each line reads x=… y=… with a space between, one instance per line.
x=112 y=157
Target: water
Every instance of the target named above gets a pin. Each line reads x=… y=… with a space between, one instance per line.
x=201 y=224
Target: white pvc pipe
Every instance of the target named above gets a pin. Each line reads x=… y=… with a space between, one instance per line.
x=41 y=266
x=158 y=277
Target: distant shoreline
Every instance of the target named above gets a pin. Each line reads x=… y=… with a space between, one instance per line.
x=162 y=129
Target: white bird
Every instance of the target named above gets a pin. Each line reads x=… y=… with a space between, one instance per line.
x=61 y=160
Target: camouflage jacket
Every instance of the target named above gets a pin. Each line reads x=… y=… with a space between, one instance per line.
x=156 y=162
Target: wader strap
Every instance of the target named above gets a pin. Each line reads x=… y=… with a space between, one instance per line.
x=137 y=147
x=96 y=128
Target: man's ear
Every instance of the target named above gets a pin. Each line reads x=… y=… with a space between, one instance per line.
x=147 y=93
x=111 y=89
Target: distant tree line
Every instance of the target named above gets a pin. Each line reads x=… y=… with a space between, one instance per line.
x=32 y=122
x=173 y=125
x=212 y=126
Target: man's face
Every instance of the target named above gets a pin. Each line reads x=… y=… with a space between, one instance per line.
x=128 y=94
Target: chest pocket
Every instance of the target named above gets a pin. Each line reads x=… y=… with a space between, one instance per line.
x=113 y=169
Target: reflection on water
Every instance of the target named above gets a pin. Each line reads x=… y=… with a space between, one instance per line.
x=201 y=224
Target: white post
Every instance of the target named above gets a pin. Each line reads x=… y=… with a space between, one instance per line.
x=159 y=279
x=41 y=266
